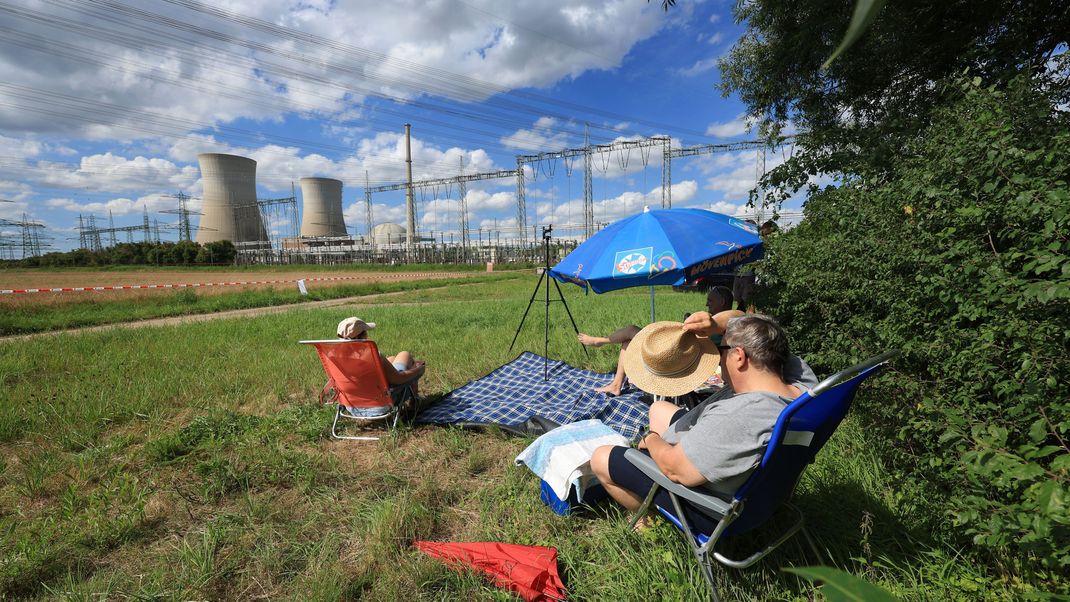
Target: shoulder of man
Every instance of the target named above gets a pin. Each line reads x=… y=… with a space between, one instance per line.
x=737 y=405
x=798 y=372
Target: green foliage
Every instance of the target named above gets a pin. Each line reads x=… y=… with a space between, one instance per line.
x=840 y=586
x=865 y=13
x=867 y=107
x=139 y=253
x=203 y=428
x=963 y=261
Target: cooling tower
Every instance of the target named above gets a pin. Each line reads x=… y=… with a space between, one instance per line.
x=229 y=210
x=322 y=214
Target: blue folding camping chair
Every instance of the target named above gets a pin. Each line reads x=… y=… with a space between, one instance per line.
x=800 y=431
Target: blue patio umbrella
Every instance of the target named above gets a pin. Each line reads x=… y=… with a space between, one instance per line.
x=660 y=247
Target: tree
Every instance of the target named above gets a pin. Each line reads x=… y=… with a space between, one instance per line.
x=946 y=234
x=963 y=261
x=874 y=99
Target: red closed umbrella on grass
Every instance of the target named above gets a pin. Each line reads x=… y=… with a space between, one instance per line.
x=530 y=571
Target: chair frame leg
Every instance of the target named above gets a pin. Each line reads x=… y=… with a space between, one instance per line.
x=644 y=507
x=334 y=428
x=813 y=545
x=395 y=411
x=701 y=552
x=797 y=526
x=706 y=554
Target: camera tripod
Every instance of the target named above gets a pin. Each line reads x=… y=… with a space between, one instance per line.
x=546 y=230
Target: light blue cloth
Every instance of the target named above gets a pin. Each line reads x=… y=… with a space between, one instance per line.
x=367 y=412
x=562 y=457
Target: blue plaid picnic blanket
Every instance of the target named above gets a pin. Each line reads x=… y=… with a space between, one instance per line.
x=517 y=391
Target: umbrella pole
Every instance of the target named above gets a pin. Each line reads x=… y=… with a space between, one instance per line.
x=652 y=305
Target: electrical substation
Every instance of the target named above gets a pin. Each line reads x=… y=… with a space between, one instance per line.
x=282 y=230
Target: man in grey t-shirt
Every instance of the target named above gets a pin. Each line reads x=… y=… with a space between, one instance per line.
x=719 y=442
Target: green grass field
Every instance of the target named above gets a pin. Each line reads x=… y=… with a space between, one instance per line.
x=193 y=462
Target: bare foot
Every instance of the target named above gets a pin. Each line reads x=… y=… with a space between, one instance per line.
x=643 y=524
x=590 y=341
x=612 y=389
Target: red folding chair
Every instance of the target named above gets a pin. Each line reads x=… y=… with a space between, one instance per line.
x=357 y=384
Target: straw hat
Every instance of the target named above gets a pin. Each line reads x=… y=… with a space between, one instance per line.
x=664 y=359
x=350 y=328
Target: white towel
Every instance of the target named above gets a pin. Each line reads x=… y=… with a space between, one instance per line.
x=562 y=457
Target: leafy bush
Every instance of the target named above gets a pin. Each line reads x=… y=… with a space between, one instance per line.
x=957 y=254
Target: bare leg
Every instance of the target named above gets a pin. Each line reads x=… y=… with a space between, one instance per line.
x=615 y=385
x=624 y=335
x=405 y=358
x=600 y=467
x=661 y=412
x=617 y=337
x=590 y=341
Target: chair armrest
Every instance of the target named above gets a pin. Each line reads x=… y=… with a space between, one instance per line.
x=707 y=502
x=853 y=371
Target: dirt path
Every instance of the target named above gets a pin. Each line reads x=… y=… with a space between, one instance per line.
x=234 y=313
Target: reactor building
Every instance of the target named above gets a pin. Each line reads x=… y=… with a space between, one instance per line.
x=229 y=211
x=322 y=212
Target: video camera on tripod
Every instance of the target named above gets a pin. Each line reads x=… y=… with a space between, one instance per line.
x=545 y=275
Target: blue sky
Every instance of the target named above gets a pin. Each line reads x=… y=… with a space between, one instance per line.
x=104 y=105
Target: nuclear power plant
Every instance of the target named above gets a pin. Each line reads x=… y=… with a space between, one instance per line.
x=322 y=214
x=230 y=210
x=272 y=230
x=266 y=230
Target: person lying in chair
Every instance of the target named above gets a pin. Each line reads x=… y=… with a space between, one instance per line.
x=399 y=369
x=718 y=299
x=796 y=371
x=719 y=442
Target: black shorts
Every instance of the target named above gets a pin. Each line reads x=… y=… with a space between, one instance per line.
x=626 y=475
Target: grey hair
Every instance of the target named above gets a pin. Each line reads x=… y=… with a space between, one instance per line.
x=762 y=338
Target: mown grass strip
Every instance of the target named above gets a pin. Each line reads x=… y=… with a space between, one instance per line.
x=29 y=318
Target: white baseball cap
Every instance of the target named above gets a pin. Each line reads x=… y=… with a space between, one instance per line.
x=351 y=328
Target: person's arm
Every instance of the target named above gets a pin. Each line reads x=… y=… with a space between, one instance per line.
x=703 y=324
x=396 y=377
x=671 y=460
